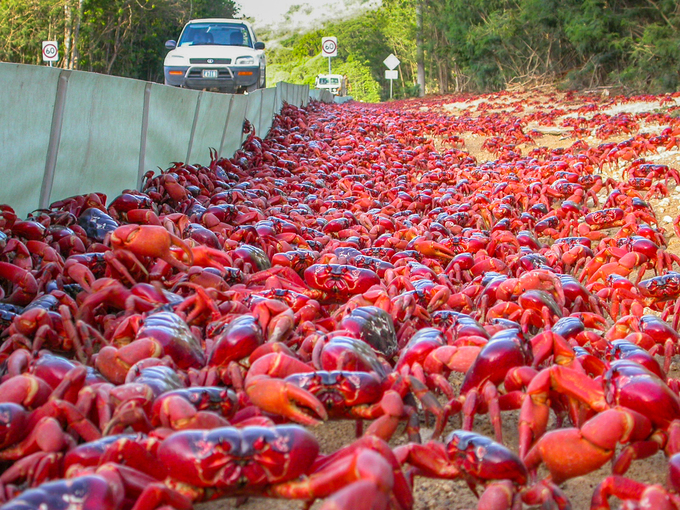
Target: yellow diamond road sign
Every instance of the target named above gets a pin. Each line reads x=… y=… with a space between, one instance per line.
x=391 y=62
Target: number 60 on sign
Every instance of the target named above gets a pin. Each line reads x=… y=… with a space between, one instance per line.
x=329 y=47
x=50 y=51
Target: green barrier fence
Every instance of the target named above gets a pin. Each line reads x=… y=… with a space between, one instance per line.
x=68 y=133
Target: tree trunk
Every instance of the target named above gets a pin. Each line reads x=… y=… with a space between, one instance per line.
x=76 y=34
x=123 y=26
x=116 y=45
x=420 y=50
x=67 y=62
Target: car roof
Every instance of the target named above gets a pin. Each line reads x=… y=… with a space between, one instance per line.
x=219 y=20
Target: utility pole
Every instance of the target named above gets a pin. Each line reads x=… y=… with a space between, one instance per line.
x=420 y=51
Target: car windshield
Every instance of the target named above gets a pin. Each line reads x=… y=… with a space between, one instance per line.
x=223 y=34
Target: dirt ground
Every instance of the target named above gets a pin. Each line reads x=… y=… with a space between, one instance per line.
x=453 y=495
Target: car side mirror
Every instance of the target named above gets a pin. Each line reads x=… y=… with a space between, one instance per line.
x=259 y=45
x=171 y=45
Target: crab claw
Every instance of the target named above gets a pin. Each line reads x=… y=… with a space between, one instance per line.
x=285 y=399
x=79 y=273
x=432 y=249
x=115 y=363
x=360 y=495
x=25 y=286
x=151 y=241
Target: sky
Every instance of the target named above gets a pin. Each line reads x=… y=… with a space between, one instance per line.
x=272 y=13
x=267 y=11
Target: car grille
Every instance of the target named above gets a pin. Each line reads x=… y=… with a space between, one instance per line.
x=214 y=61
x=221 y=74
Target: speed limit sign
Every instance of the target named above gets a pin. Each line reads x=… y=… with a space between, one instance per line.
x=50 y=51
x=329 y=46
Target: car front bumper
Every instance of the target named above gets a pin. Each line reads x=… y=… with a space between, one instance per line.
x=229 y=78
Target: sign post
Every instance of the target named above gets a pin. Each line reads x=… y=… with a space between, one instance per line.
x=329 y=48
x=391 y=62
x=391 y=75
x=50 y=51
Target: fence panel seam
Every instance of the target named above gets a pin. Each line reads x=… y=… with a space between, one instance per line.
x=55 y=138
x=143 y=135
x=193 y=127
x=226 y=125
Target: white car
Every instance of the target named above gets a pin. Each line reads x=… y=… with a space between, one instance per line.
x=216 y=54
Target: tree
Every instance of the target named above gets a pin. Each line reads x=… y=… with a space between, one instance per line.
x=420 y=50
x=24 y=25
x=122 y=37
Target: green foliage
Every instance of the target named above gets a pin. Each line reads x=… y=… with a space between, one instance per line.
x=305 y=45
x=23 y=27
x=491 y=43
x=121 y=37
x=655 y=65
x=361 y=84
x=363 y=44
x=300 y=71
x=363 y=87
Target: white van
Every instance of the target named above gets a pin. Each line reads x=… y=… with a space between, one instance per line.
x=336 y=83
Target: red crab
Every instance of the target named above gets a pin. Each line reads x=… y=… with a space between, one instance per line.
x=479 y=461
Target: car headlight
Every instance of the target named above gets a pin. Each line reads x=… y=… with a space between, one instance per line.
x=245 y=61
x=175 y=60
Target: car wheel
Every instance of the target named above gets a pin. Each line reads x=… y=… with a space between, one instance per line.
x=264 y=83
